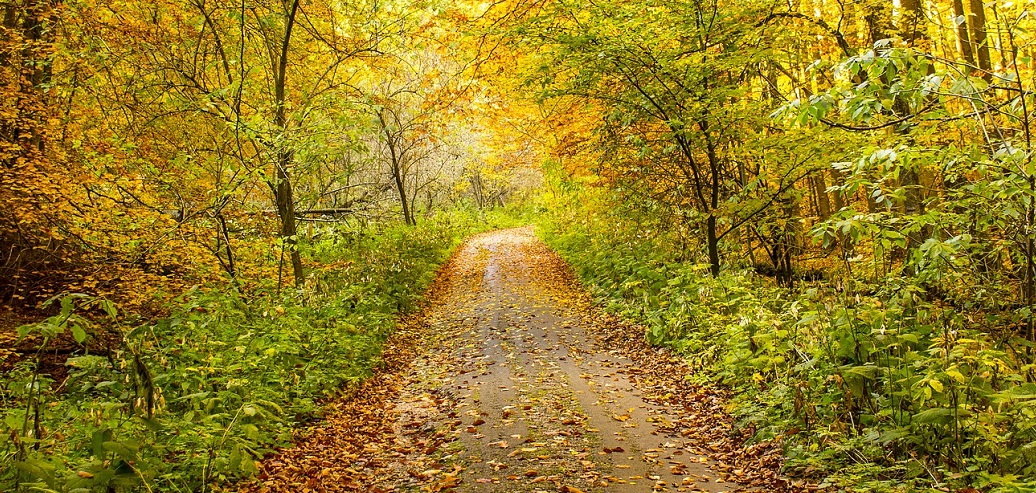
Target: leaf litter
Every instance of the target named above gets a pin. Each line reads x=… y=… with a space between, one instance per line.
x=511 y=380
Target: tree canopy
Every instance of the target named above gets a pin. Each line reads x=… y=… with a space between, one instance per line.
x=829 y=206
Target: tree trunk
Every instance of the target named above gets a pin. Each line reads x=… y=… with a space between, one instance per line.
x=838 y=196
x=714 y=170
x=32 y=29
x=398 y=178
x=977 y=23
x=25 y=62
x=912 y=28
x=713 y=244
x=286 y=211
x=413 y=203
x=7 y=157
x=820 y=191
x=283 y=194
x=963 y=39
x=787 y=240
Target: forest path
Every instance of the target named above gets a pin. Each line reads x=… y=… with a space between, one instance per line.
x=510 y=381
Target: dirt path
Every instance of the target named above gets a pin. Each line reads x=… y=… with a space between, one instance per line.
x=511 y=382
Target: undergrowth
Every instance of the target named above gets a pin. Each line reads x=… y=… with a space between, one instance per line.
x=871 y=385
x=191 y=400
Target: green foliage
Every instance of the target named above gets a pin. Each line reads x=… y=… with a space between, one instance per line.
x=193 y=398
x=872 y=386
x=682 y=129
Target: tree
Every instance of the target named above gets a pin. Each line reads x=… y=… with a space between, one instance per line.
x=33 y=220
x=415 y=111
x=236 y=84
x=282 y=179
x=963 y=39
x=672 y=79
x=977 y=24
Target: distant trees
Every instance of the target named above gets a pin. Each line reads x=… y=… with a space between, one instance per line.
x=695 y=100
x=131 y=132
x=409 y=110
x=676 y=82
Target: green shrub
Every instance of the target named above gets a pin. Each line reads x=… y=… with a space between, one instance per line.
x=192 y=399
x=872 y=385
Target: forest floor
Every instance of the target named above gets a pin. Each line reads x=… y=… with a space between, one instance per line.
x=510 y=380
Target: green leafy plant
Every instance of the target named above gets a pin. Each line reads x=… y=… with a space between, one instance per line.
x=190 y=400
x=873 y=384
